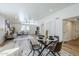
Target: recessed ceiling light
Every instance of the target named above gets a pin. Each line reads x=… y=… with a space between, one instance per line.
x=50 y=10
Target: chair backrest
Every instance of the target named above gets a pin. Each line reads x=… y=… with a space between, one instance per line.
x=41 y=36
x=51 y=38
x=58 y=47
x=56 y=37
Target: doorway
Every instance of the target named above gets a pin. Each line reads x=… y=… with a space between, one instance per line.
x=71 y=35
x=70 y=29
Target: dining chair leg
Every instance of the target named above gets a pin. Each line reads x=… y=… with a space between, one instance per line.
x=38 y=51
x=47 y=53
x=33 y=52
x=58 y=53
x=53 y=53
x=29 y=53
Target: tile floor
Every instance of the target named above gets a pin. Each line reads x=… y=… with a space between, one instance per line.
x=24 y=46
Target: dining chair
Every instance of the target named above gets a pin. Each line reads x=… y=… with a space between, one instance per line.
x=51 y=47
x=40 y=36
x=34 y=47
x=51 y=38
x=55 y=36
x=55 y=49
x=58 y=48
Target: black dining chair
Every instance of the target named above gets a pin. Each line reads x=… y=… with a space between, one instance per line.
x=55 y=36
x=56 y=48
x=51 y=37
x=40 y=36
x=51 y=47
x=34 y=47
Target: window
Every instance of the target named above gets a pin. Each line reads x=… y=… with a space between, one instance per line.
x=25 y=28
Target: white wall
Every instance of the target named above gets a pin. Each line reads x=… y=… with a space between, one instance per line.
x=2 y=29
x=75 y=30
x=55 y=20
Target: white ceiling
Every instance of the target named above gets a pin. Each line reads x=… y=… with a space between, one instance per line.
x=31 y=10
